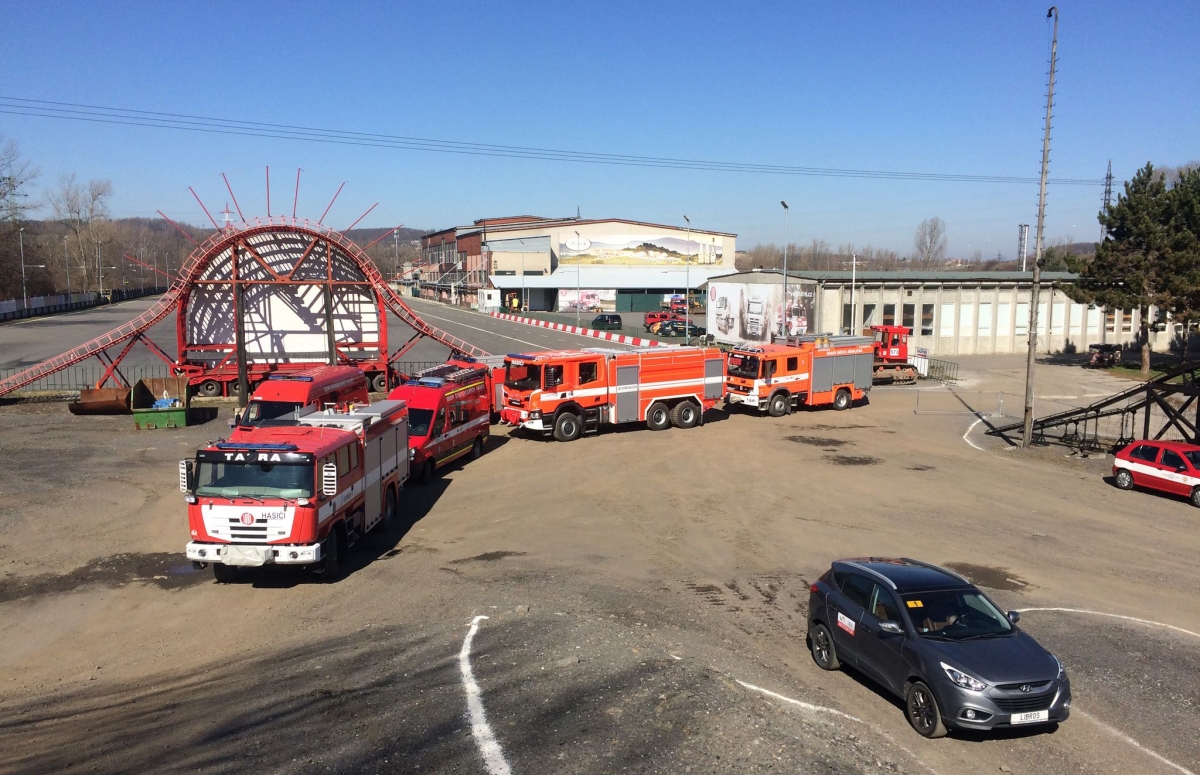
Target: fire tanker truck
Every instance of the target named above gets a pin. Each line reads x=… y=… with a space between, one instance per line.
x=571 y=392
x=806 y=371
x=449 y=414
x=296 y=495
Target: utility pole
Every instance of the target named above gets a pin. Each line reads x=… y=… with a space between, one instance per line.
x=1108 y=180
x=67 y=267
x=24 y=295
x=578 y=259
x=1027 y=425
x=99 y=269
x=687 y=284
x=785 y=283
x=1023 y=243
x=853 y=282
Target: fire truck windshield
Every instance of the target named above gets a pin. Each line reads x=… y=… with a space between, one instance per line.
x=264 y=413
x=523 y=377
x=418 y=422
x=254 y=480
x=745 y=366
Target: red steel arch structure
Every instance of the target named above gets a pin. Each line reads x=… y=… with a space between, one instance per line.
x=300 y=293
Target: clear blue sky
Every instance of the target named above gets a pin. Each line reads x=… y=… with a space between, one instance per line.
x=927 y=87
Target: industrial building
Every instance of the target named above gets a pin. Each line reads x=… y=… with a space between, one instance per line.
x=610 y=264
x=950 y=313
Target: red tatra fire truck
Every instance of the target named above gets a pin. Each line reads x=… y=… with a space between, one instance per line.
x=297 y=495
x=284 y=396
x=807 y=371
x=572 y=392
x=449 y=414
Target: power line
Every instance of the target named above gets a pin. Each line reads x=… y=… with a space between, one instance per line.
x=206 y=124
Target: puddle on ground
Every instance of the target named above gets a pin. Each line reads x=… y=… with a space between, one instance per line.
x=818 y=441
x=487 y=557
x=919 y=467
x=853 y=460
x=161 y=569
x=992 y=578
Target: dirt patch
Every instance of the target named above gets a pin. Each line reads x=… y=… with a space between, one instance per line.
x=487 y=557
x=839 y=427
x=919 y=467
x=165 y=570
x=992 y=578
x=853 y=460
x=818 y=441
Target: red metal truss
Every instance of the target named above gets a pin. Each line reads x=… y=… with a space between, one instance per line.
x=189 y=277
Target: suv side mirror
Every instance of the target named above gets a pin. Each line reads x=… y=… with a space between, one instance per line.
x=187 y=476
x=1014 y=616
x=329 y=479
x=892 y=627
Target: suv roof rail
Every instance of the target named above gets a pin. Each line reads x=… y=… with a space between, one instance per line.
x=931 y=566
x=872 y=571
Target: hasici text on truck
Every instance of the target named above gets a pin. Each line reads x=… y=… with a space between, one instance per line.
x=571 y=392
x=297 y=495
x=449 y=415
x=281 y=398
x=806 y=371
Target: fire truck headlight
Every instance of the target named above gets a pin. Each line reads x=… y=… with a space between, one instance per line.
x=412 y=453
x=535 y=415
x=294 y=555
x=190 y=498
x=302 y=501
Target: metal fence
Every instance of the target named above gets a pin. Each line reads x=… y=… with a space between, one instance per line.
x=982 y=403
x=942 y=371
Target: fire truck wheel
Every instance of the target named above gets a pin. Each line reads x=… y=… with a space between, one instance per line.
x=842 y=400
x=684 y=415
x=389 y=511
x=379 y=383
x=224 y=574
x=331 y=562
x=209 y=388
x=427 y=472
x=567 y=426
x=477 y=448
x=658 y=417
x=778 y=406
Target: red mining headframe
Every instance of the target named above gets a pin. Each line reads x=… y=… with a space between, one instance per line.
x=292 y=292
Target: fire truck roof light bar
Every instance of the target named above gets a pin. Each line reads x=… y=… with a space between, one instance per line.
x=291 y=377
x=274 y=447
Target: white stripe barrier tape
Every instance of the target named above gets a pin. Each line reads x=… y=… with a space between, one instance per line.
x=608 y=336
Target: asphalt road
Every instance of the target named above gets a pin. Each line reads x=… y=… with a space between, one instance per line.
x=25 y=343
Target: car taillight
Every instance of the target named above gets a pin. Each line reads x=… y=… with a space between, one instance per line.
x=813 y=587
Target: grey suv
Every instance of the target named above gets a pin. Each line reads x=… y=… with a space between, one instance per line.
x=933 y=639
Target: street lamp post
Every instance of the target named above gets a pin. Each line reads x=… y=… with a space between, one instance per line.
x=21 y=239
x=99 y=269
x=522 y=275
x=687 y=284
x=578 y=285
x=783 y=325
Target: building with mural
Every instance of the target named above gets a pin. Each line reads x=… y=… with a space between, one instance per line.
x=560 y=264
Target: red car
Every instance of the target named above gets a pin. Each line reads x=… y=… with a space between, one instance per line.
x=657 y=317
x=1170 y=466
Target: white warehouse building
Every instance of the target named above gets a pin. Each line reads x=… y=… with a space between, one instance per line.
x=950 y=313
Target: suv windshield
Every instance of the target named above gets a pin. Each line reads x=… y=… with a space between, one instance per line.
x=418 y=421
x=254 y=480
x=743 y=366
x=524 y=377
x=265 y=413
x=962 y=614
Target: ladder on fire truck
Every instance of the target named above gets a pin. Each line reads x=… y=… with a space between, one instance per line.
x=190 y=274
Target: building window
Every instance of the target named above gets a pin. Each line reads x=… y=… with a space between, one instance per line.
x=1110 y=321
x=910 y=313
x=1057 y=313
x=889 y=314
x=847 y=318
x=868 y=315
x=948 y=319
x=1093 y=320
x=1022 y=318
x=1073 y=325
x=985 y=319
x=926 y=320
x=1126 y=321
x=1003 y=318
x=966 y=319
x=504 y=272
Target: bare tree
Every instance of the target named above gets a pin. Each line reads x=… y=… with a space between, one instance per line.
x=16 y=174
x=929 y=244
x=81 y=207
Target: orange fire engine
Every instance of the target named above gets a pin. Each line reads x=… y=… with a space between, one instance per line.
x=282 y=397
x=296 y=495
x=807 y=371
x=449 y=414
x=572 y=392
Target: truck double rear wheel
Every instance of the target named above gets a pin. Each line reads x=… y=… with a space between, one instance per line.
x=685 y=414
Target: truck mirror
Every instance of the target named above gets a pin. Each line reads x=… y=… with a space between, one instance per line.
x=329 y=479
x=186 y=476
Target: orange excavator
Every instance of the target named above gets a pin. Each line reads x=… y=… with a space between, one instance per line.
x=891 y=356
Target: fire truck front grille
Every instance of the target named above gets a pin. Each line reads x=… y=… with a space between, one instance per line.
x=250 y=534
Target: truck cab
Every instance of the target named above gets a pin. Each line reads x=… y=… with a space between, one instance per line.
x=283 y=397
x=450 y=409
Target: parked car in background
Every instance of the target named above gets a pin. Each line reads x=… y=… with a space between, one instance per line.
x=680 y=328
x=1103 y=356
x=932 y=638
x=1168 y=466
x=606 y=322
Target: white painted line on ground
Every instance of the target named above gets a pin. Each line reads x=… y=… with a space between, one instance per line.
x=489 y=747
x=1126 y=738
x=491 y=331
x=1115 y=616
x=836 y=712
x=973 y=444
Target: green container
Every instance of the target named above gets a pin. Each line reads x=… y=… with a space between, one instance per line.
x=146 y=419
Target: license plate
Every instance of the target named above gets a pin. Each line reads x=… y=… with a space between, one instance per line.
x=1032 y=717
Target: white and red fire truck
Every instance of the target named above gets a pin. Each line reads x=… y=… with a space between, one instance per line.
x=571 y=392
x=282 y=397
x=449 y=414
x=297 y=495
x=806 y=371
